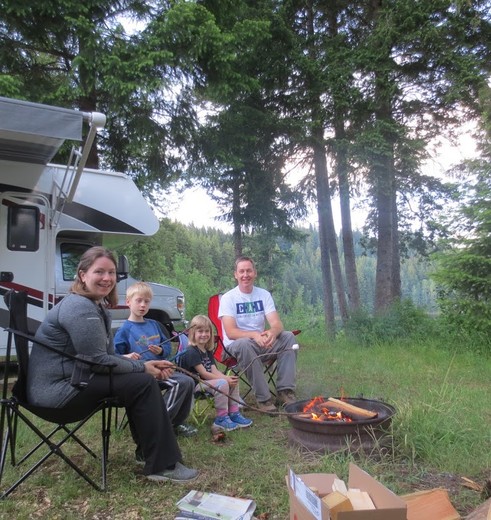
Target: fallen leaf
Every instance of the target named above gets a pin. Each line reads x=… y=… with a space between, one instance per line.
x=218 y=437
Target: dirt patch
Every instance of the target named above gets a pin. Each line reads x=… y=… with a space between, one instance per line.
x=464 y=500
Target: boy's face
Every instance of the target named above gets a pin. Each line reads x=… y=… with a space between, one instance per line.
x=138 y=304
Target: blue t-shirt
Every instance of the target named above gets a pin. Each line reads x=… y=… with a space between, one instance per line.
x=135 y=336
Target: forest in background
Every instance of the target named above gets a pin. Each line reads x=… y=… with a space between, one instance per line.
x=200 y=261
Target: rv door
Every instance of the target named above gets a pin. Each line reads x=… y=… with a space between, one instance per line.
x=25 y=253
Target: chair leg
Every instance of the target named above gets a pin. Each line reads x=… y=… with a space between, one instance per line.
x=106 y=435
x=120 y=424
x=5 y=439
x=56 y=448
x=270 y=373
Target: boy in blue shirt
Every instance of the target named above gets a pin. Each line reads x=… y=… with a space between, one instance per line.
x=146 y=339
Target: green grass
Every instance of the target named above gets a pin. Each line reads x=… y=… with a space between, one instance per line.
x=441 y=432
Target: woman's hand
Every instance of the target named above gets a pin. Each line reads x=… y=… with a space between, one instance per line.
x=161 y=370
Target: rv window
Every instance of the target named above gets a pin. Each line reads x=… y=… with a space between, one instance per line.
x=70 y=257
x=23 y=228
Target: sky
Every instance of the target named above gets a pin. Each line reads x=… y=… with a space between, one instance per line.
x=194 y=206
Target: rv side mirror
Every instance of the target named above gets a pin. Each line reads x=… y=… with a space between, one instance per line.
x=123 y=268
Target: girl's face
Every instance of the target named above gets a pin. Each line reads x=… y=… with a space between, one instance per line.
x=202 y=335
x=100 y=278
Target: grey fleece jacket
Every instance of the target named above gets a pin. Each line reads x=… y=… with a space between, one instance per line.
x=76 y=325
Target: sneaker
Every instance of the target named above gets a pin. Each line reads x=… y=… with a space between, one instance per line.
x=224 y=424
x=286 y=397
x=240 y=420
x=179 y=474
x=185 y=430
x=267 y=407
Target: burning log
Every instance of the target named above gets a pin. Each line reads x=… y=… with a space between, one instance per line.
x=335 y=410
x=350 y=408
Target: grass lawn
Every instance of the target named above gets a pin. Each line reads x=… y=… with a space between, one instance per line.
x=441 y=433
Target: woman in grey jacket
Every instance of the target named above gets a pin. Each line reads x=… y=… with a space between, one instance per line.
x=81 y=325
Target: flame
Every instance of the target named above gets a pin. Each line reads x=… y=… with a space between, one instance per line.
x=311 y=404
x=323 y=413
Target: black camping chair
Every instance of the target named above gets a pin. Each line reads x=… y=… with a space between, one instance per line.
x=63 y=424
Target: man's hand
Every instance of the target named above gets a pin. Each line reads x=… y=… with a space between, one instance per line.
x=161 y=370
x=265 y=339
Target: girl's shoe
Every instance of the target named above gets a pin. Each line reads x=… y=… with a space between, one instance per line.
x=224 y=423
x=240 y=420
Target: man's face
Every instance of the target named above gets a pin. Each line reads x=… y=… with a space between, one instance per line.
x=245 y=274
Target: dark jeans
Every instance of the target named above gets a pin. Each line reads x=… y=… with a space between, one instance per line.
x=149 y=421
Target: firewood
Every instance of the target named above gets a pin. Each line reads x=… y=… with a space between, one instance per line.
x=340 y=486
x=360 y=500
x=337 y=503
x=351 y=409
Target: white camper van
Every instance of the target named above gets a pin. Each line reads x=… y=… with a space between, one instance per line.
x=50 y=214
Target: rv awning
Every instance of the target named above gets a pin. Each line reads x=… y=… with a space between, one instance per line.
x=32 y=132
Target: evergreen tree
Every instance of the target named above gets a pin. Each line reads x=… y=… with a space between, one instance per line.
x=464 y=270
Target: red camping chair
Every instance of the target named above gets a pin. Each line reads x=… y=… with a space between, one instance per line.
x=230 y=362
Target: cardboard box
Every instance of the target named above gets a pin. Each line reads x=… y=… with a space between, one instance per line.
x=307 y=505
x=432 y=504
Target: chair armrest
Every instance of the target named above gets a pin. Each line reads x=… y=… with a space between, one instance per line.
x=76 y=358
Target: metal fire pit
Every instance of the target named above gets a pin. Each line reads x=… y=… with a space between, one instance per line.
x=331 y=436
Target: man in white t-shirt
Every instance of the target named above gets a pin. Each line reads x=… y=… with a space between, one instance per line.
x=245 y=311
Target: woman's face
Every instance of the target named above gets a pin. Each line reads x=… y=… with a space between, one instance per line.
x=100 y=278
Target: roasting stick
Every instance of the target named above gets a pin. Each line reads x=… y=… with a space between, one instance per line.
x=248 y=406
x=346 y=407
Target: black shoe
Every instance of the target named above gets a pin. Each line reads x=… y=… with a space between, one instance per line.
x=185 y=430
x=180 y=474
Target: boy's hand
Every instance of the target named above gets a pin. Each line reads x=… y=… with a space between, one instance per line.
x=155 y=349
x=132 y=355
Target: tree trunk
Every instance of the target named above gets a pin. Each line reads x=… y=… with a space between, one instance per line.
x=388 y=277
x=237 y=220
x=385 y=240
x=396 y=291
x=323 y=205
x=88 y=101
x=347 y=229
x=341 y=169
x=327 y=231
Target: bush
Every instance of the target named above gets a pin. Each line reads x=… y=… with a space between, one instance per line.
x=401 y=320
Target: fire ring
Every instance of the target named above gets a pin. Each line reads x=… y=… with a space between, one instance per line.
x=331 y=436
